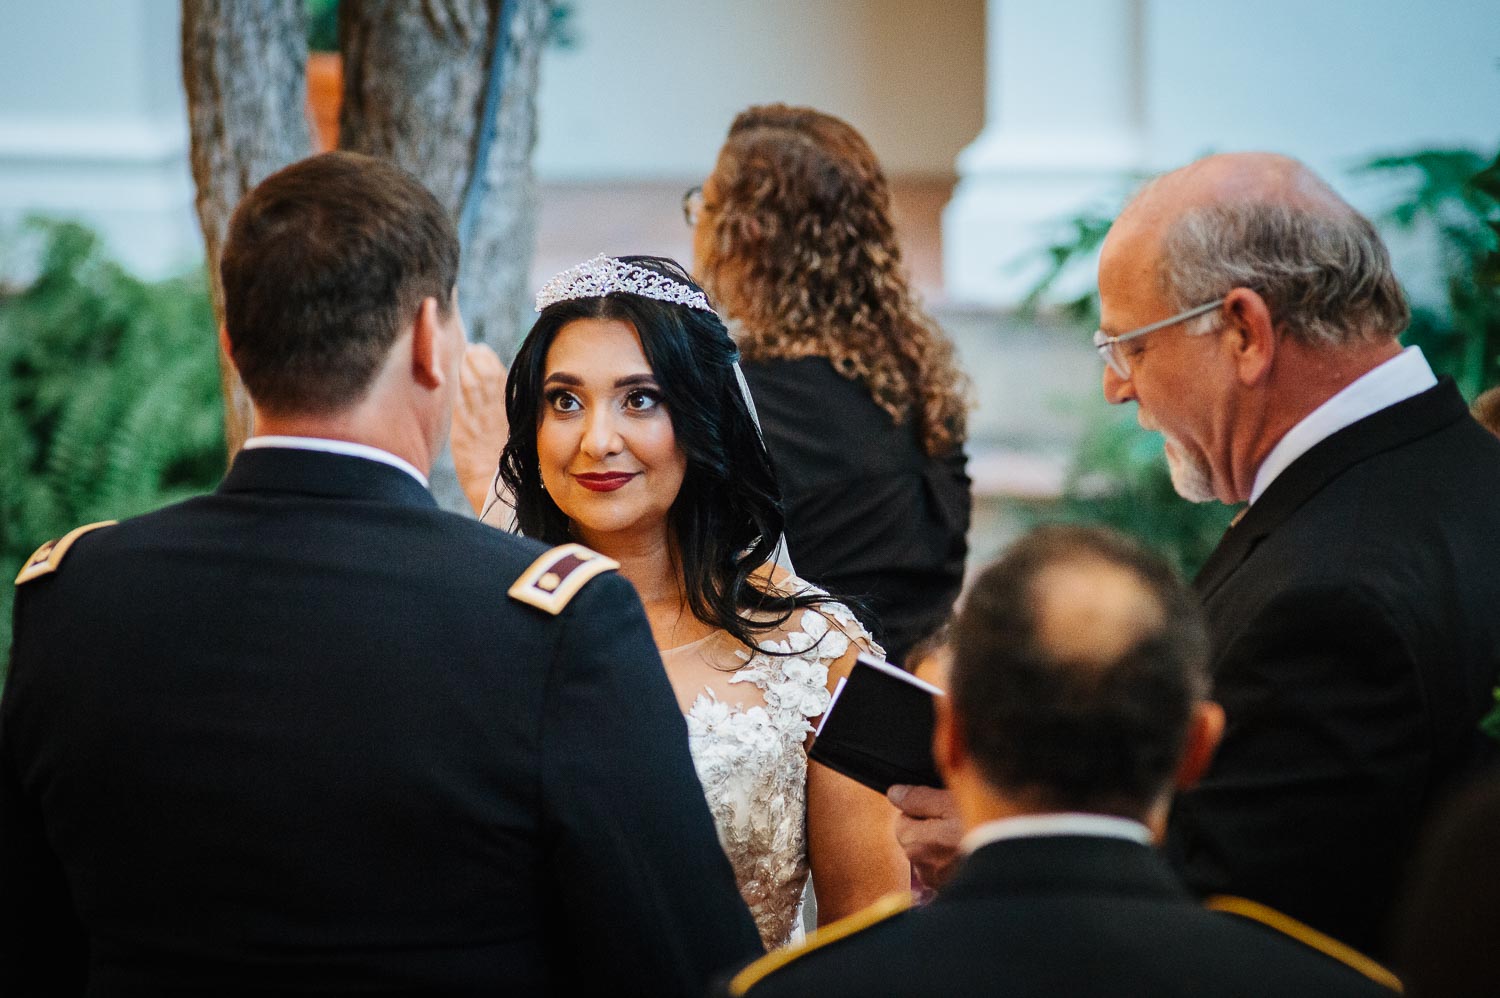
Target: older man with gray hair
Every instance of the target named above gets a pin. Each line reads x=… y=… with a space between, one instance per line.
x=1252 y=316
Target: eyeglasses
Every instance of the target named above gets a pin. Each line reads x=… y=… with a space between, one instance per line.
x=1117 y=361
x=692 y=205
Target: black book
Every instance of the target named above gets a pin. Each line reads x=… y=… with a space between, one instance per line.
x=878 y=729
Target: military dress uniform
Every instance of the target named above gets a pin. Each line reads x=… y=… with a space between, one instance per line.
x=313 y=733
x=1071 y=914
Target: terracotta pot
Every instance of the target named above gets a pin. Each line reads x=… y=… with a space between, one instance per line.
x=325 y=93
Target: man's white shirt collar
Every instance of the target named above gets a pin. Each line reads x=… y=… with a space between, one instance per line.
x=1030 y=826
x=1397 y=380
x=345 y=447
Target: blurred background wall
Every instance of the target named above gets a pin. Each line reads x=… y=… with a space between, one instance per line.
x=1035 y=107
x=1082 y=93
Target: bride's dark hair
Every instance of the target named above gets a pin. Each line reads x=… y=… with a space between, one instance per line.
x=727 y=517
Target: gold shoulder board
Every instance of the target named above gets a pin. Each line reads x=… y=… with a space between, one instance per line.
x=555 y=577
x=1304 y=934
x=50 y=555
x=891 y=904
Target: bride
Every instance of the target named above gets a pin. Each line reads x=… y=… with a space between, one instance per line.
x=630 y=433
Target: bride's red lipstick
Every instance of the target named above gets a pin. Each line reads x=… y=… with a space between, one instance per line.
x=606 y=482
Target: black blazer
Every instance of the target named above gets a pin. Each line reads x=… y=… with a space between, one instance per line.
x=295 y=735
x=1063 y=915
x=1355 y=621
x=868 y=514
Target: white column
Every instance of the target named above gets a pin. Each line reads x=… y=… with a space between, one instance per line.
x=93 y=126
x=1063 y=126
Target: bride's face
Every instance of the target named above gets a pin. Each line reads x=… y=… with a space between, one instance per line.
x=609 y=457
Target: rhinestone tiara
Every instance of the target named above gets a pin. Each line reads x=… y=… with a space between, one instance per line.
x=605 y=275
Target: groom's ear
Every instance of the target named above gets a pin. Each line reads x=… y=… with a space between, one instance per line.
x=426 y=346
x=225 y=346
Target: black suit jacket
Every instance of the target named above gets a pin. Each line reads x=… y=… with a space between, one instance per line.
x=1355 y=621
x=868 y=514
x=1064 y=915
x=295 y=735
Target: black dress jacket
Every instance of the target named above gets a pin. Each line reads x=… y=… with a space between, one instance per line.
x=294 y=736
x=1355 y=620
x=1063 y=915
x=868 y=514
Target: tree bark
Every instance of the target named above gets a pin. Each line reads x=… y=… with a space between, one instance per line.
x=415 y=80
x=496 y=270
x=244 y=68
x=414 y=88
x=415 y=76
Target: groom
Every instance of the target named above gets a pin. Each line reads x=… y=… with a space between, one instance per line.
x=312 y=733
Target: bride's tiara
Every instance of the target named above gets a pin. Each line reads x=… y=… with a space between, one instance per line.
x=605 y=275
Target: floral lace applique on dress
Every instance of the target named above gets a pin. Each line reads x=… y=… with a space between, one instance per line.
x=751 y=761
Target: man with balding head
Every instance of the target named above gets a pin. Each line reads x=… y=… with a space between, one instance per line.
x=1253 y=316
x=1077 y=699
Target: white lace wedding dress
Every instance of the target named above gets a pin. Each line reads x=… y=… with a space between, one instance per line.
x=747 y=729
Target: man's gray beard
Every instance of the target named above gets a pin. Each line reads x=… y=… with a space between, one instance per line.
x=1190 y=478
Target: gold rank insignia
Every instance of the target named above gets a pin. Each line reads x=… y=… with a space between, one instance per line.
x=50 y=555
x=555 y=577
x=886 y=907
x=1305 y=934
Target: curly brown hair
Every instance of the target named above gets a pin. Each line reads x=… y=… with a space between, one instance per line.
x=796 y=246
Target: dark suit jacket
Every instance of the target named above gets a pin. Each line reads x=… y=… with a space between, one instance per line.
x=295 y=735
x=1355 y=620
x=868 y=514
x=1064 y=915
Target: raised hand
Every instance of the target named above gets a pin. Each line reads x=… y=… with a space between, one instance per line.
x=480 y=427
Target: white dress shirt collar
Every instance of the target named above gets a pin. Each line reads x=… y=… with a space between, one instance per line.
x=1397 y=380
x=345 y=447
x=1030 y=826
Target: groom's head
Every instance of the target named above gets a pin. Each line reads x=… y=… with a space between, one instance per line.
x=328 y=264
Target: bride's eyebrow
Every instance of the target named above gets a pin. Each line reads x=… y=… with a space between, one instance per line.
x=574 y=381
x=636 y=381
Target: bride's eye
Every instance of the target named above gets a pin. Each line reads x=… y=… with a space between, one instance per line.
x=642 y=400
x=559 y=400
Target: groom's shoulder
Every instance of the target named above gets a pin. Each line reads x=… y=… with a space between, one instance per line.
x=546 y=578
x=497 y=549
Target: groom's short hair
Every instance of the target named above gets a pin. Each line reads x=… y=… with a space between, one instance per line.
x=325 y=264
x=1078 y=659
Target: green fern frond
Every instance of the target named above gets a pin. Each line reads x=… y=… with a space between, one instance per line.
x=109 y=398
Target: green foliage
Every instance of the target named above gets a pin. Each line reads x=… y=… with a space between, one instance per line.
x=562 y=29
x=1490 y=725
x=1119 y=475
x=1078 y=240
x=1453 y=199
x=109 y=396
x=1488 y=182
x=1119 y=479
x=322 y=25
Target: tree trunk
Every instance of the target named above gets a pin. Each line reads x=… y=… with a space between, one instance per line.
x=415 y=80
x=496 y=281
x=243 y=65
x=416 y=91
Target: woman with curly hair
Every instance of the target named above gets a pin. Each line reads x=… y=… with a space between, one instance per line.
x=860 y=399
